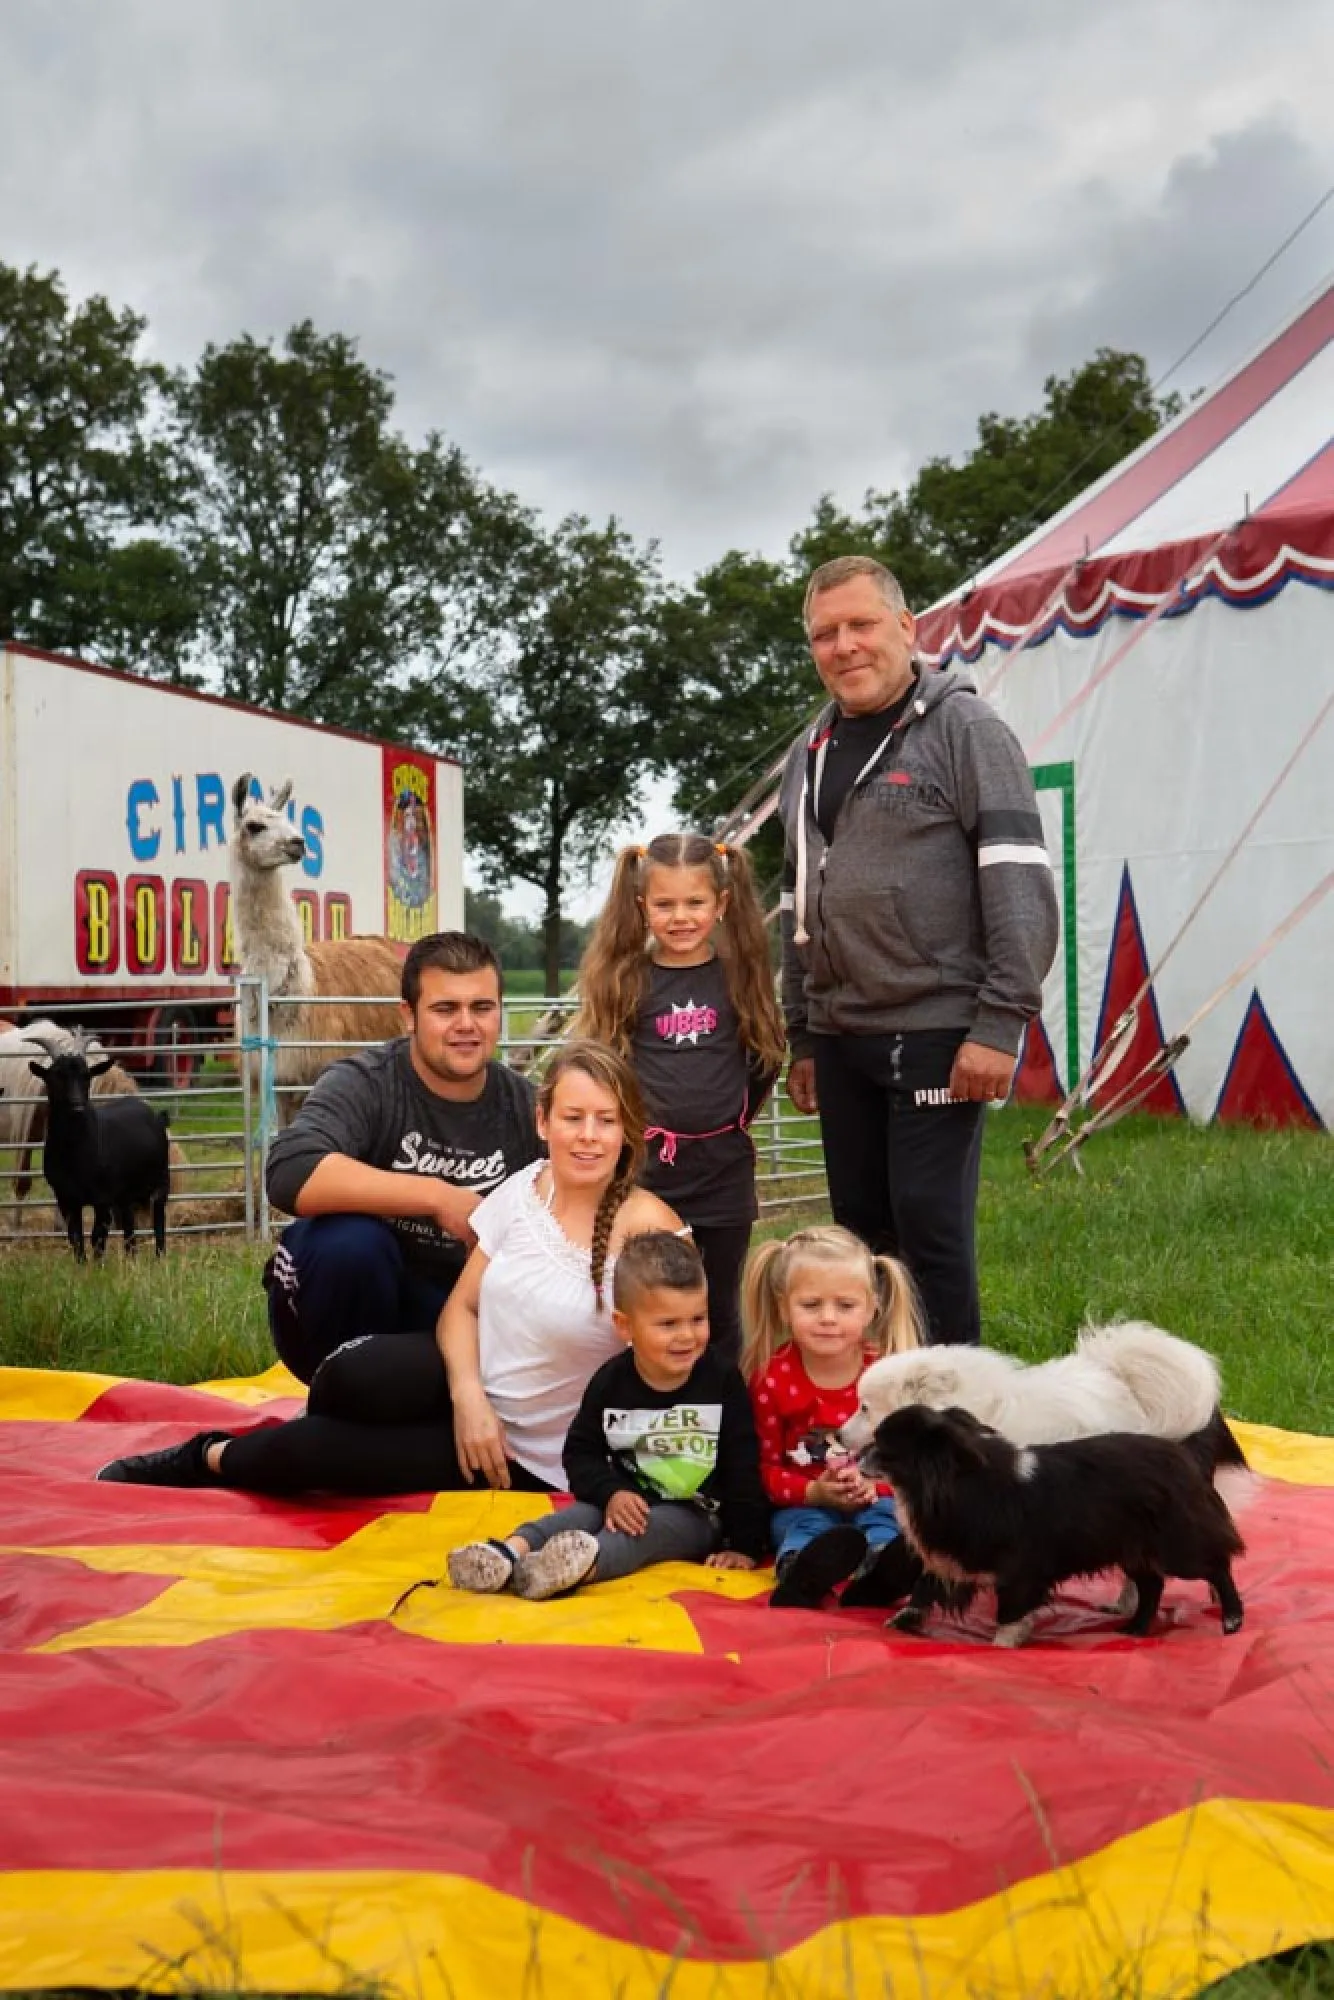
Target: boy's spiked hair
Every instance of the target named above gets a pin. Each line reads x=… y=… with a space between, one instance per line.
x=654 y=1258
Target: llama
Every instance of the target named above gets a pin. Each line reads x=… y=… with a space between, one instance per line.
x=270 y=946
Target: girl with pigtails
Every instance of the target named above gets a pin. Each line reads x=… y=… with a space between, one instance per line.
x=819 y=1309
x=677 y=979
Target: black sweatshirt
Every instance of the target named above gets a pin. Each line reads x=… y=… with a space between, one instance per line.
x=695 y=1444
x=373 y=1107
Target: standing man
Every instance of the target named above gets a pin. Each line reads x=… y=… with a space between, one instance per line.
x=919 y=920
x=388 y=1157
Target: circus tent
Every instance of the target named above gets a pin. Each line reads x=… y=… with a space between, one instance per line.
x=1164 y=648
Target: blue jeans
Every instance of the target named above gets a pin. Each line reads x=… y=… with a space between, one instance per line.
x=336 y=1277
x=794 y=1527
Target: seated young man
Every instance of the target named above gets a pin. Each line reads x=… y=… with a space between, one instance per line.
x=662 y=1457
x=388 y=1157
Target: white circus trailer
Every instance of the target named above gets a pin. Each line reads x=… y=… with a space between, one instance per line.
x=115 y=796
x=1164 y=649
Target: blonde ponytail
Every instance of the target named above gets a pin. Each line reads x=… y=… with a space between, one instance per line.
x=899 y=1323
x=763 y=1293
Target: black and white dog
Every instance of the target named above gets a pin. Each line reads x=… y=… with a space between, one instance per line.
x=977 y=1509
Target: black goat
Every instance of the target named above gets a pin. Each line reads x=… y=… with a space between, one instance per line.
x=110 y=1156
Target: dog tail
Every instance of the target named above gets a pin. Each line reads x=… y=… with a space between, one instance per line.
x=1174 y=1383
x=1216 y=1451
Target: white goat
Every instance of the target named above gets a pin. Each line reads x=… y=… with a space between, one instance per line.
x=271 y=946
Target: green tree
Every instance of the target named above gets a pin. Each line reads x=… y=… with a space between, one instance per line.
x=82 y=466
x=736 y=643
x=746 y=679
x=559 y=724
x=339 y=565
x=956 y=517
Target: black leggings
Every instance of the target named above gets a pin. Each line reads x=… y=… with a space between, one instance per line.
x=722 y=1248
x=378 y=1420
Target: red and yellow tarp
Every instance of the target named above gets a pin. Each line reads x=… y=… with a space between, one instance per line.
x=225 y=1760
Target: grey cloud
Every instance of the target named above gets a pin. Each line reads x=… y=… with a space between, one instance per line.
x=690 y=263
x=1166 y=270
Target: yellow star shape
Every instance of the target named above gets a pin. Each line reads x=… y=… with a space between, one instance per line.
x=221 y=1590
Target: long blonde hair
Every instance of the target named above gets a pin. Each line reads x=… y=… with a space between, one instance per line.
x=603 y=1066
x=771 y=1267
x=615 y=965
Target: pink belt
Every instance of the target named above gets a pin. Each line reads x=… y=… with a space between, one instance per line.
x=667 y=1151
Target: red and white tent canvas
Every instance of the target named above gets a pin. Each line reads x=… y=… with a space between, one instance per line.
x=1164 y=648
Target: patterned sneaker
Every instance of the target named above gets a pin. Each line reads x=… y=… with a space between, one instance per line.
x=178 y=1465
x=482 y=1566
x=559 y=1565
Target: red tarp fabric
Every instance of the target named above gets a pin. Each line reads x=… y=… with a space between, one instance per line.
x=205 y=1694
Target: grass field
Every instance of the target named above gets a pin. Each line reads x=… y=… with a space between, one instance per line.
x=1226 y=1237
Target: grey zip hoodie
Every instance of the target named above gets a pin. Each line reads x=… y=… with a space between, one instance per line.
x=933 y=905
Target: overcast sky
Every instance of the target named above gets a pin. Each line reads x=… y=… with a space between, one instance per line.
x=690 y=261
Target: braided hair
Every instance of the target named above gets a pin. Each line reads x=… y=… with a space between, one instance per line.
x=604 y=1067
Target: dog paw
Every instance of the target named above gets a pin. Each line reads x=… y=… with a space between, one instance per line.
x=1127 y=1603
x=1017 y=1634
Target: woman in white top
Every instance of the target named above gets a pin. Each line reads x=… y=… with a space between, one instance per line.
x=521 y=1333
x=529 y=1320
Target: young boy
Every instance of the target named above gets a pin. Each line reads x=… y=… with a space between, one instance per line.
x=661 y=1458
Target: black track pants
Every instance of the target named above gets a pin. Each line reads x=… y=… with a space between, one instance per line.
x=378 y=1420
x=903 y=1168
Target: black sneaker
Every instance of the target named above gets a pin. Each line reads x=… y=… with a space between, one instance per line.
x=178 y=1465
x=811 y=1574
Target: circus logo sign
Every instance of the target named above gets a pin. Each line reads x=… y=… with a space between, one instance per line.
x=409 y=846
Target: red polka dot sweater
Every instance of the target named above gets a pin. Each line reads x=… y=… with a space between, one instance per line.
x=795 y=1420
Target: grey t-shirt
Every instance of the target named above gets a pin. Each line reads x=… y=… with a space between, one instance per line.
x=374 y=1108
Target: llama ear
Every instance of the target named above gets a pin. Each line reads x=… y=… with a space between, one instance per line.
x=279 y=798
x=241 y=792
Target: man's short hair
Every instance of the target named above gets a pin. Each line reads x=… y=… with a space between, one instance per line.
x=841 y=570
x=447 y=951
x=655 y=1258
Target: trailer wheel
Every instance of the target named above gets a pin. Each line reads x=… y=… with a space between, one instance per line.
x=169 y=1066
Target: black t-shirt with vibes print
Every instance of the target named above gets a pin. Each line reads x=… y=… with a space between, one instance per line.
x=696 y=1076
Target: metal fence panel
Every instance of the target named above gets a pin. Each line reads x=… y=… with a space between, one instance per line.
x=222 y=1124
x=196 y=1082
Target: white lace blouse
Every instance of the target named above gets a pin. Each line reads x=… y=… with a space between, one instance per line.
x=540 y=1335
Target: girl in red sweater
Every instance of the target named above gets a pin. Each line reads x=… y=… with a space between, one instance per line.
x=818 y=1309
